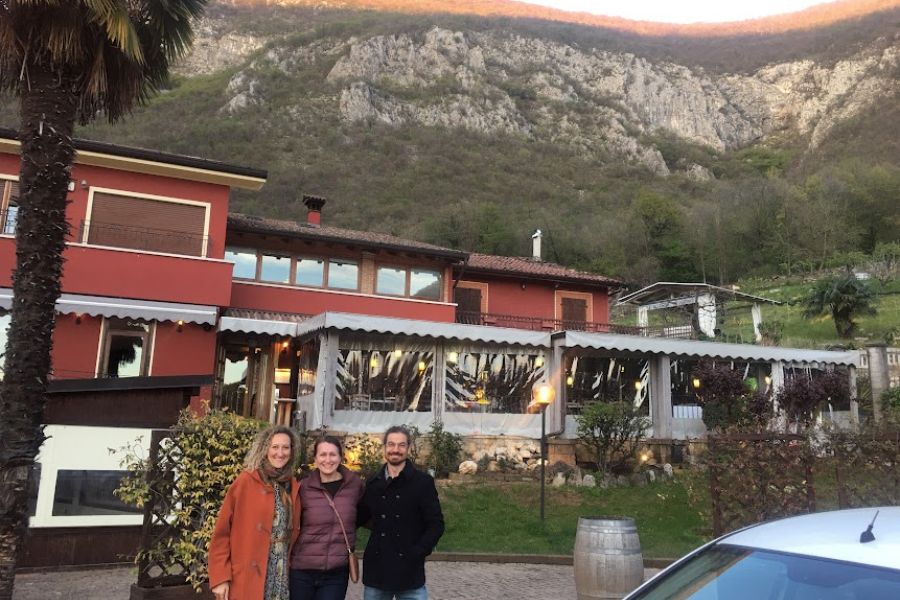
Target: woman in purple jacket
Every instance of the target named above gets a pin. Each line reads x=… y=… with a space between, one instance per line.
x=319 y=559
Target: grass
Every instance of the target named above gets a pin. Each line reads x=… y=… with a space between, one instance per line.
x=504 y=517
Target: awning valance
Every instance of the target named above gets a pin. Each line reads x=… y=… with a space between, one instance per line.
x=700 y=349
x=266 y=322
x=426 y=329
x=123 y=308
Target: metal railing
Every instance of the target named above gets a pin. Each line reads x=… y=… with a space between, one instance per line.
x=545 y=324
x=143 y=238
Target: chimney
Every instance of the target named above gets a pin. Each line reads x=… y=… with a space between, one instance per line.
x=536 y=245
x=314 y=204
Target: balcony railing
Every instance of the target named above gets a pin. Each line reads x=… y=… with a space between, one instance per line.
x=143 y=238
x=543 y=324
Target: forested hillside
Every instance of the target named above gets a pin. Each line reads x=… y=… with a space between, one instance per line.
x=643 y=158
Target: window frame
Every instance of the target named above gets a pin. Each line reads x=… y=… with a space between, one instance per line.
x=6 y=186
x=404 y=270
x=88 y=216
x=106 y=331
x=238 y=249
x=355 y=263
x=301 y=257
x=260 y=255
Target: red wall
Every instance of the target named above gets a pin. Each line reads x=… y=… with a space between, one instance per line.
x=191 y=351
x=75 y=347
x=508 y=297
x=280 y=299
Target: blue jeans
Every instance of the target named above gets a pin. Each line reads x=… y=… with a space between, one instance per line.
x=370 y=593
x=308 y=584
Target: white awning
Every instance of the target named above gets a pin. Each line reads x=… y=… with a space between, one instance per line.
x=265 y=326
x=699 y=349
x=426 y=329
x=123 y=308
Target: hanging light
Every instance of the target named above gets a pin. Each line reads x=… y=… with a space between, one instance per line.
x=373 y=362
x=539 y=362
x=421 y=366
x=570 y=380
x=398 y=353
x=453 y=357
x=696 y=383
x=637 y=385
x=767 y=379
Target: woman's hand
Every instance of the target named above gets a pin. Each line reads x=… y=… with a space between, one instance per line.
x=221 y=591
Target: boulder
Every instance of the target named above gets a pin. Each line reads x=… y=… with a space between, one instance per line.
x=559 y=480
x=588 y=481
x=468 y=467
x=668 y=471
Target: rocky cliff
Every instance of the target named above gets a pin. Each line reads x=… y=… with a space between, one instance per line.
x=498 y=81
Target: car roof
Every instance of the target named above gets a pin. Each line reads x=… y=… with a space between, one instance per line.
x=832 y=535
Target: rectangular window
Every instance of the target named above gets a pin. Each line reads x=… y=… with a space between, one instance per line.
x=343 y=275
x=384 y=380
x=310 y=271
x=126 y=349
x=276 y=269
x=244 y=262
x=147 y=224
x=391 y=280
x=9 y=207
x=488 y=382
x=82 y=492
x=425 y=284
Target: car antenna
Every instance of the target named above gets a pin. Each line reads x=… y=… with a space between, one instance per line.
x=867 y=536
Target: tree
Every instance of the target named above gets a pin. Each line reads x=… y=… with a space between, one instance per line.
x=67 y=61
x=843 y=297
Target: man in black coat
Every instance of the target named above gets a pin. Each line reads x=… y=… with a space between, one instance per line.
x=402 y=507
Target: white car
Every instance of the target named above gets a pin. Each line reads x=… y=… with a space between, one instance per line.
x=822 y=556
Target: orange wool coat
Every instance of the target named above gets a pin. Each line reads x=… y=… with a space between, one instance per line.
x=239 y=548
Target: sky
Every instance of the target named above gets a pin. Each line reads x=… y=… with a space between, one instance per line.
x=681 y=11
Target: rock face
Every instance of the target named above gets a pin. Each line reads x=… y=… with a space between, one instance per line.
x=598 y=102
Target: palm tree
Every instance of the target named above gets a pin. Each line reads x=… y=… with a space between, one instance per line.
x=843 y=297
x=66 y=61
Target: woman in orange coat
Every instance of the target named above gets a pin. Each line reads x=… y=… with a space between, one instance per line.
x=258 y=523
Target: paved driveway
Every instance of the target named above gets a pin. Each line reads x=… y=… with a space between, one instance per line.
x=446 y=581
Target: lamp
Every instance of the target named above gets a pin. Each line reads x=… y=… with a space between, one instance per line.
x=539 y=362
x=543 y=394
x=696 y=383
x=767 y=379
x=421 y=366
x=637 y=385
x=179 y=326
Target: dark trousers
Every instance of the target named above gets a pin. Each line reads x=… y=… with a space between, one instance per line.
x=308 y=584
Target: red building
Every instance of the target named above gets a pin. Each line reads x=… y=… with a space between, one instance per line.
x=168 y=299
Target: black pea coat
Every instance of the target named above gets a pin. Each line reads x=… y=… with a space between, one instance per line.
x=406 y=521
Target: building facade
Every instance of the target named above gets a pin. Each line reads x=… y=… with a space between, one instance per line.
x=169 y=300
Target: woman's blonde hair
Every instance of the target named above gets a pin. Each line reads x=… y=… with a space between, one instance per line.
x=256 y=456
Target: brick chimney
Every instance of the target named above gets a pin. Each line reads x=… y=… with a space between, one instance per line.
x=314 y=204
x=536 y=245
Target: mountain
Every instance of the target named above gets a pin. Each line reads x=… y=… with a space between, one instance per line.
x=643 y=151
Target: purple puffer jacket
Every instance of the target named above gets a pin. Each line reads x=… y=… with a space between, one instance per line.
x=321 y=544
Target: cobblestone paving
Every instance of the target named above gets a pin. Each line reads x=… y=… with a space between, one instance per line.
x=446 y=581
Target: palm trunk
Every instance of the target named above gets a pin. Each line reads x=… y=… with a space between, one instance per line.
x=48 y=109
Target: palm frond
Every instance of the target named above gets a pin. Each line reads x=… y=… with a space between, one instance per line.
x=113 y=16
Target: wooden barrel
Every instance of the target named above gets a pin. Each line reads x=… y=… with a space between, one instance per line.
x=608 y=561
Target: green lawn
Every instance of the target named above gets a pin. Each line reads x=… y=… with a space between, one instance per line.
x=505 y=517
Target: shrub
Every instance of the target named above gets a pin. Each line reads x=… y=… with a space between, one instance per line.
x=198 y=463
x=802 y=397
x=446 y=448
x=721 y=394
x=363 y=453
x=611 y=431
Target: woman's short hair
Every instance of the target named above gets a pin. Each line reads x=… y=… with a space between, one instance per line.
x=256 y=456
x=329 y=439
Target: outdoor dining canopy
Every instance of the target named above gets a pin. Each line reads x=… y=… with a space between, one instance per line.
x=374 y=372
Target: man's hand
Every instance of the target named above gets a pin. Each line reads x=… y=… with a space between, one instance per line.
x=221 y=591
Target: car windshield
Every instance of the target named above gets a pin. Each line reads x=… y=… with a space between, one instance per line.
x=723 y=572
